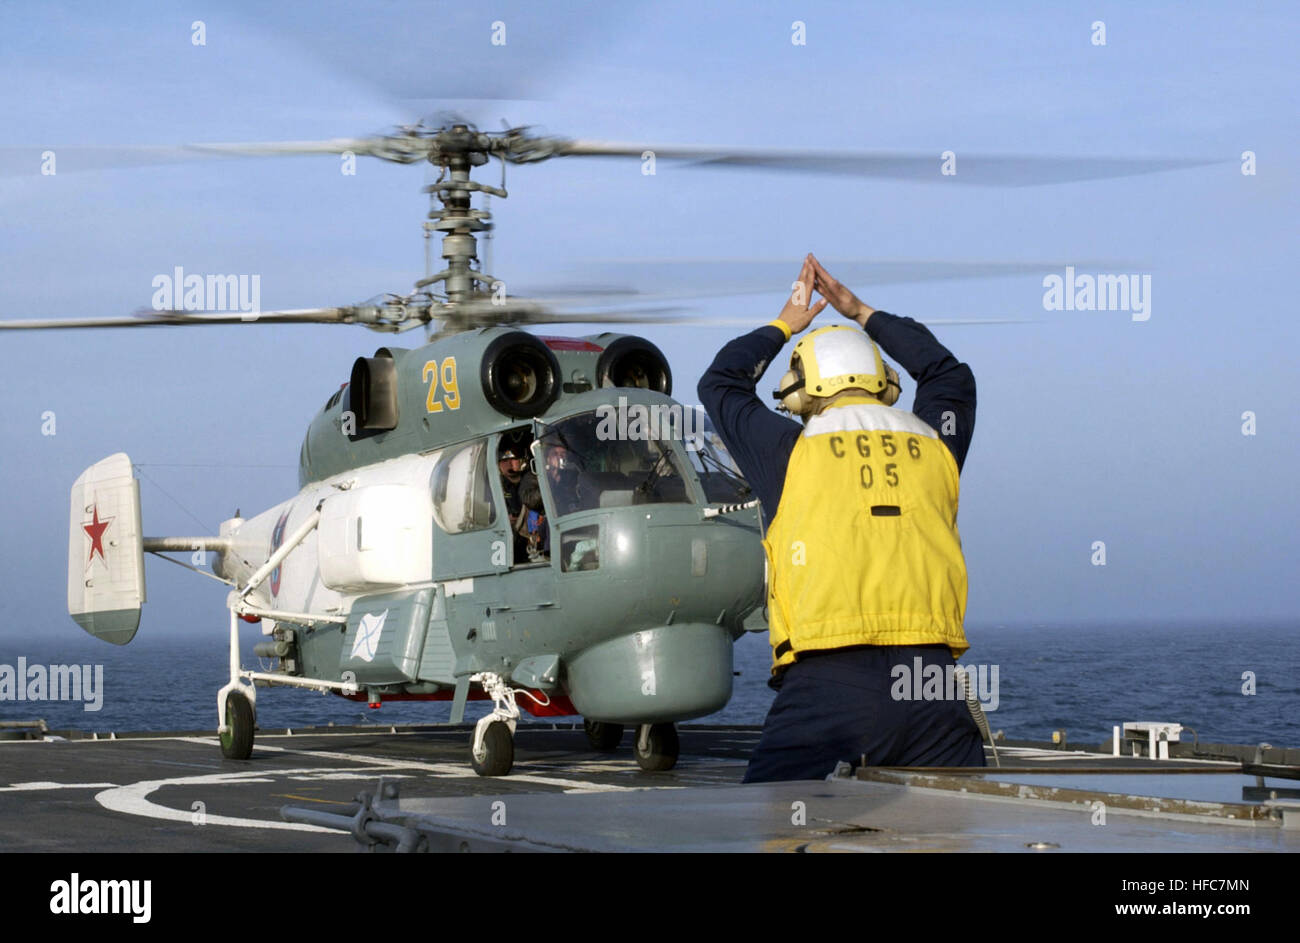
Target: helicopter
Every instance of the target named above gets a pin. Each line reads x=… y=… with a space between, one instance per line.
x=393 y=573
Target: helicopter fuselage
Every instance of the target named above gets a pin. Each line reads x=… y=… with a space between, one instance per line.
x=629 y=618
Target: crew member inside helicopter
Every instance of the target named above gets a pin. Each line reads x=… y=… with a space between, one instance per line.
x=523 y=502
x=562 y=477
x=562 y=480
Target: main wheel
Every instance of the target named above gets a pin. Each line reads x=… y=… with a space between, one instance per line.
x=237 y=741
x=656 y=748
x=603 y=737
x=497 y=753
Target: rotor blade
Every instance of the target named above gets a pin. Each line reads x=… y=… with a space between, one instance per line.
x=49 y=160
x=754 y=323
x=38 y=161
x=663 y=279
x=388 y=148
x=662 y=315
x=1008 y=170
x=979 y=170
x=471 y=314
x=260 y=148
x=351 y=315
x=530 y=311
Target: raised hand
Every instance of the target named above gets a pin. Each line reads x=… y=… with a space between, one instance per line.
x=845 y=302
x=799 y=311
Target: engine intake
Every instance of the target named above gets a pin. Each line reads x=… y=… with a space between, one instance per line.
x=520 y=375
x=634 y=362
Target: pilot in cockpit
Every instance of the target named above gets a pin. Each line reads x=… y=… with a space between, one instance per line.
x=562 y=468
x=563 y=472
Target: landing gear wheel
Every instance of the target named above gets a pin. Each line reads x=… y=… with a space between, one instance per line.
x=603 y=737
x=656 y=747
x=237 y=741
x=497 y=753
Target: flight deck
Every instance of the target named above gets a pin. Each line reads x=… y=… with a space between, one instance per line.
x=61 y=791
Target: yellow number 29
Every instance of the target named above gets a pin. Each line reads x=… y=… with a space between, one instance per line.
x=451 y=392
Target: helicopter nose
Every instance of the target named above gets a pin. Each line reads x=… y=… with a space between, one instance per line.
x=668 y=673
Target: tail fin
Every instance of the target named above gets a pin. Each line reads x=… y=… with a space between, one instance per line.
x=106 y=551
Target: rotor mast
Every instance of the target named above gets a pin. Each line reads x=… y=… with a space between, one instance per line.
x=457 y=151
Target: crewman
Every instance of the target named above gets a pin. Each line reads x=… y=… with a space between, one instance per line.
x=866 y=573
x=516 y=483
x=563 y=471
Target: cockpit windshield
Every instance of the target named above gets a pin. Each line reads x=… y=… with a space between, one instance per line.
x=716 y=469
x=600 y=460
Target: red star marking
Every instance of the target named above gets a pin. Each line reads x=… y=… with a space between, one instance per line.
x=95 y=531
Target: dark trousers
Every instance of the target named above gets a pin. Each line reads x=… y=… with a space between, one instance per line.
x=838 y=705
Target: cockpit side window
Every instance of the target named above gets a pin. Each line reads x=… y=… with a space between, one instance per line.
x=462 y=492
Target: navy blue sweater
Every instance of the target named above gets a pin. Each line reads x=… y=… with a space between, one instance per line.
x=761 y=440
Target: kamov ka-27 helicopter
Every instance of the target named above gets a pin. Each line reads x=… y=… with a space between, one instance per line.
x=394 y=573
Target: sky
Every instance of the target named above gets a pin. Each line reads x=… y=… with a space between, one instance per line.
x=1092 y=426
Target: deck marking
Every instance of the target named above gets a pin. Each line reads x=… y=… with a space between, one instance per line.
x=40 y=787
x=212 y=766
x=134 y=800
x=449 y=769
x=342 y=775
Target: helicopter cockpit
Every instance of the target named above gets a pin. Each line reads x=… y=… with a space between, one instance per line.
x=600 y=461
x=585 y=467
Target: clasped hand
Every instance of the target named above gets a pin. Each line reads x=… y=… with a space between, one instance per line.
x=800 y=310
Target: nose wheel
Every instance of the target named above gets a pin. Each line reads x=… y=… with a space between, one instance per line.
x=495 y=755
x=492 y=752
x=656 y=747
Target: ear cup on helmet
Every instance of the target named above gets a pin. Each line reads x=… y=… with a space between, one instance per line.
x=794 y=397
x=893 y=389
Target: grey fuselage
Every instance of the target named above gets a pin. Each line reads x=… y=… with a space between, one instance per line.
x=631 y=617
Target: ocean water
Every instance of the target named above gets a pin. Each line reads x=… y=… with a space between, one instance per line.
x=1082 y=679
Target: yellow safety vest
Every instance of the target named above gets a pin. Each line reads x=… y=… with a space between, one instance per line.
x=864 y=548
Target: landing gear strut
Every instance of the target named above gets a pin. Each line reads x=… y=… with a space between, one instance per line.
x=656 y=747
x=492 y=752
x=236 y=706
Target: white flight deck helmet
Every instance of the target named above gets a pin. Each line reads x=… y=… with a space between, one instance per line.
x=831 y=360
